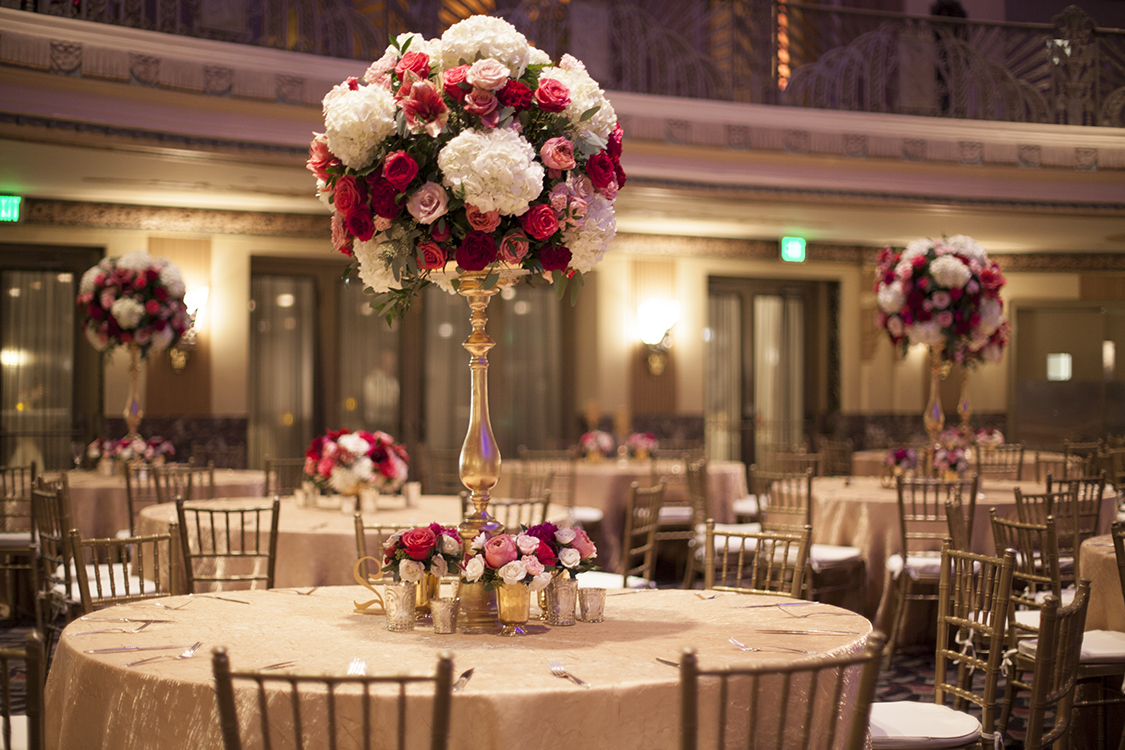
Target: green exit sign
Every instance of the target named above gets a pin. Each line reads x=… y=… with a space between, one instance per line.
x=793 y=249
x=10 y=207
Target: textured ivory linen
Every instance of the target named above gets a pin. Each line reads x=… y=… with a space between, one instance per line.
x=99 y=507
x=316 y=545
x=1099 y=564
x=605 y=485
x=872 y=463
x=512 y=700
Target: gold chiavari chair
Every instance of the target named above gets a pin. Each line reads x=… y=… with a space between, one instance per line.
x=228 y=547
x=638 y=543
x=124 y=570
x=283 y=475
x=1056 y=670
x=24 y=731
x=1002 y=460
x=765 y=562
x=17 y=555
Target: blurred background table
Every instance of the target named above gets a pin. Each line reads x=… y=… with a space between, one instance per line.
x=1107 y=605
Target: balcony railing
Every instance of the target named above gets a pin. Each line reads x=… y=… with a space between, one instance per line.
x=791 y=54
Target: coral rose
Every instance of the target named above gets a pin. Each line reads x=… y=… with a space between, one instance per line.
x=500 y=550
x=350 y=194
x=484 y=221
x=416 y=62
x=430 y=255
x=558 y=153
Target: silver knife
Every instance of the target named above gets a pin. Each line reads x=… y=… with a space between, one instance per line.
x=810 y=632
x=464 y=678
x=123 y=619
x=669 y=662
x=778 y=604
x=134 y=648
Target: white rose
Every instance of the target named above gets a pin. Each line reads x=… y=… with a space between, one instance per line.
x=127 y=312
x=513 y=572
x=570 y=557
x=353 y=443
x=950 y=272
x=926 y=333
x=540 y=582
x=474 y=569
x=411 y=570
x=527 y=544
x=449 y=545
x=565 y=536
x=890 y=297
x=439 y=567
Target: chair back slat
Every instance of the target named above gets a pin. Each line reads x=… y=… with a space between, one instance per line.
x=283 y=475
x=1004 y=460
x=923 y=519
x=125 y=569
x=15 y=497
x=219 y=544
x=766 y=562
x=789 y=500
x=563 y=467
x=512 y=514
x=642 y=518
x=1056 y=668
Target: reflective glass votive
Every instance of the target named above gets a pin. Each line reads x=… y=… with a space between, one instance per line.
x=591 y=605
x=562 y=596
x=444 y=613
x=398 y=600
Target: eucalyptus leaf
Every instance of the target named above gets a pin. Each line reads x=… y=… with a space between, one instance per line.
x=589 y=113
x=490 y=280
x=573 y=295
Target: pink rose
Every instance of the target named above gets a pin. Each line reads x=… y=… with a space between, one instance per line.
x=418 y=543
x=349 y=195
x=487 y=74
x=558 y=153
x=320 y=158
x=500 y=550
x=451 y=81
x=379 y=72
x=430 y=255
x=945 y=318
x=399 y=168
x=582 y=543
x=427 y=203
x=513 y=248
x=552 y=95
x=559 y=197
x=482 y=103
x=540 y=221
x=531 y=562
x=341 y=239
x=416 y=62
x=484 y=221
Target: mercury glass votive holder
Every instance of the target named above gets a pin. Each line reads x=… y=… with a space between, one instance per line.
x=398 y=600
x=591 y=605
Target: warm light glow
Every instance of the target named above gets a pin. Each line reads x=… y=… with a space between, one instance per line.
x=655 y=318
x=285 y=300
x=195 y=298
x=13 y=357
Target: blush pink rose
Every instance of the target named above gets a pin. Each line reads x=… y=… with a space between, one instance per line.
x=484 y=221
x=451 y=81
x=552 y=95
x=531 y=562
x=320 y=158
x=513 y=248
x=540 y=221
x=500 y=550
x=558 y=153
x=487 y=74
x=427 y=203
x=483 y=104
x=583 y=544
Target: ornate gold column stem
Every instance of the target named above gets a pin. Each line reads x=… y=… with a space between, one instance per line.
x=964 y=408
x=479 y=466
x=133 y=413
x=934 y=416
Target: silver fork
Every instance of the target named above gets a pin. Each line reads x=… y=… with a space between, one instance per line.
x=815 y=614
x=187 y=654
x=358 y=666
x=143 y=625
x=744 y=647
x=558 y=670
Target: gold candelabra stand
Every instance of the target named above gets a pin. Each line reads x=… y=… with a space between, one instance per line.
x=133 y=413
x=934 y=416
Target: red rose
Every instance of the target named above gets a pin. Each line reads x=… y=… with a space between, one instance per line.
x=619 y=173
x=430 y=255
x=614 y=147
x=361 y=224
x=477 y=251
x=152 y=307
x=515 y=95
x=451 y=81
x=540 y=221
x=349 y=194
x=545 y=554
x=440 y=231
x=400 y=168
x=417 y=62
x=552 y=95
x=555 y=257
x=418 y=543
x=383 y=194
x=600 y=170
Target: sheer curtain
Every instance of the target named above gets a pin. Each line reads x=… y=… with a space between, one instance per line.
x=37 y=367
x=282 y=356
x=723 y=392
x=779 y=370
x=369 y=365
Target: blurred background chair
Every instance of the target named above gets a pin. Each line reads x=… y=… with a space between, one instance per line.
x=283 y=475
x=124 y=570
x=17 y=555
x=227 y=548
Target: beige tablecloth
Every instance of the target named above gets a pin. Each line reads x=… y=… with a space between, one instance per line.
x=512 y=701
x=1099 y=564
x=99 y=507
x=317 y=546
x=870 y=463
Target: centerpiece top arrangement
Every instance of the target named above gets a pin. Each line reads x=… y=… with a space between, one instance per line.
x=472 y=152
x=344 y=462
x=946 y=294
x=135 y=300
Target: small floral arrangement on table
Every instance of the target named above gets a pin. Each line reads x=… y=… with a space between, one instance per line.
x=946 y=294
x=135 y=300
x=989 y=437
x=573 y=549
x=505 y=558
x=343 y=461
x=951 y=459
x=597 y=442
x=474 y=149
x=409 y=554
x=902 y=457
x=127 y=449
x=640 y=443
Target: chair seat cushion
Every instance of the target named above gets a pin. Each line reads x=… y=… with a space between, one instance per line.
x=747 y=506
x=1066 y=596
x=676 y=514
x=1098 y=647
x=584 y=514
x=19 y=732
x=598 y=579
x=15 y=539
x=827 y=555
x=911 y=724
x=1029 y=618
x=136 y=585
x=916 y=566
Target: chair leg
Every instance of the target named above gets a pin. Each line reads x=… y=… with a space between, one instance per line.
x=1010 y=688
x=903 y=590
x=689 y=566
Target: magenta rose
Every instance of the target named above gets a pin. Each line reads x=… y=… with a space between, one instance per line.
x=600 y=170
x=427 y=203
x=430 y=255
x=418 y=543
x=513 y=248
x=558 y=153
x=417 y=62
x=619 y=172
x=500 y=550
x=476 y=251
x=540 y=221
x=383 y=197
x=451 y=81
x=555 y=257
x=583 y=544
x=487 y=74
x=361 y=224
x=399 y=168
x=515 y=95
x=614 y=147
x=349 y=194
x=552 y=95
x=485 y=221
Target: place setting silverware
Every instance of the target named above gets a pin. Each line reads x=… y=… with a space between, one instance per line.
x=467 y=675
x=118 y=649
x=743 y=647
x=143 y=625
x=778 y=631
x=278 y=665
x=779 y=604
x=187 y=654
x=558 y=670
x=669 y=662
x=220 y=598
x=123 y=619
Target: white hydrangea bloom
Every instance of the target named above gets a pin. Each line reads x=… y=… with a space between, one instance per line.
x=127 y=312
x=950 y=272
x=891 y=297
x=926 y=333
x=589 y=242
x=968 y=247
x=539 y=57
x=496 y=169
x=135 y=261
x=916 y=248
x=172 y=280
x=418 y=43
x=374 y=272
x=483 y=36
x=991 y=317
x=86 y=285
x=356 y=122
x=353 y=443
x=585 y=94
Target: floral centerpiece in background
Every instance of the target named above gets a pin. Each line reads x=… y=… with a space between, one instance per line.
x=344 y=462
x=154 y=450
x=902 y=457
x=989 y=437
x=473 y=151
x=951 y=455
x=135 y=300
x=596 y=443
x=641 y=443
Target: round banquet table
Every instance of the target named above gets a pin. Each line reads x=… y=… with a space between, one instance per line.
x=870 y=463
x=99 y=507
x=93 y=701
x=1107 y=605
x=860 y=512
x=316 y=545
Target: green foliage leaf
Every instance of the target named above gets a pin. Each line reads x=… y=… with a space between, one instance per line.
x=490 y=280
x=589 y=113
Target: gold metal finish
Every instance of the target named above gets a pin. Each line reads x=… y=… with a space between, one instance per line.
x=133 y=413
x=514 y=601
x=964 y=407
x=934 y=416
x=424 y=591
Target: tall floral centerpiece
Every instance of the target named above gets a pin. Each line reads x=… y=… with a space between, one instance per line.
x=945 y=294
x=474 y=162
x=135 y=301
x=344 y=462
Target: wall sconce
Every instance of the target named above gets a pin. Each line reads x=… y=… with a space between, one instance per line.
x=194 y=300
x=655 y=318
